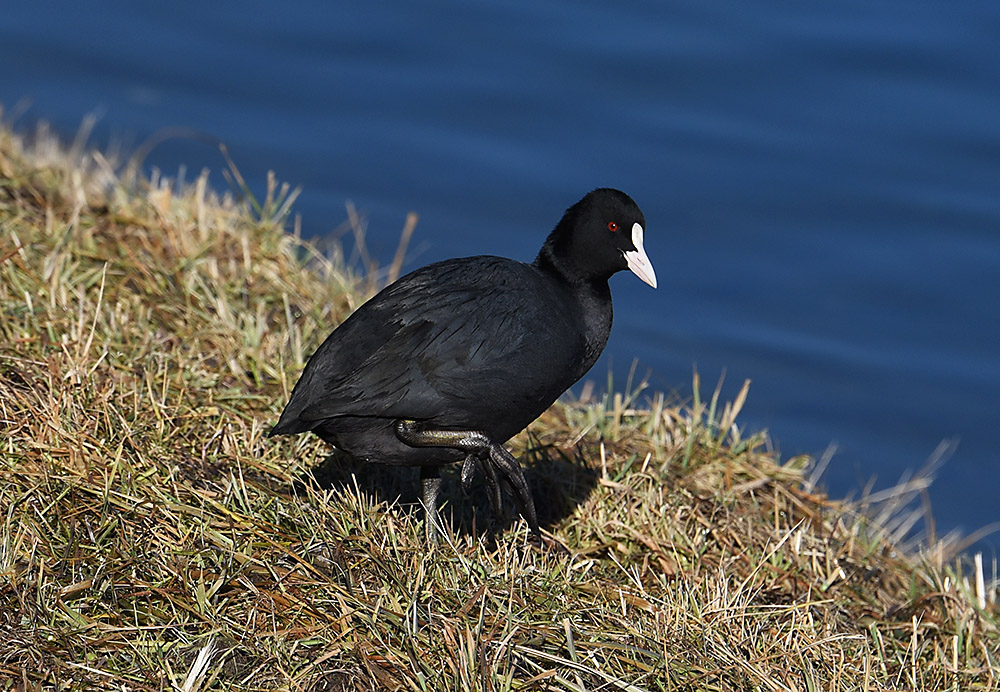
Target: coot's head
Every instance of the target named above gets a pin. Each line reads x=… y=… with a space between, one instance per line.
x=598 y=236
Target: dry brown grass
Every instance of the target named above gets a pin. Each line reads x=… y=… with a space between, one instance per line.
x=152 y=538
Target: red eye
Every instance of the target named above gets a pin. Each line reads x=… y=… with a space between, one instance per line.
x=612 y=226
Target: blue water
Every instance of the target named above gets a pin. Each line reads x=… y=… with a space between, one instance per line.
x=821 y=182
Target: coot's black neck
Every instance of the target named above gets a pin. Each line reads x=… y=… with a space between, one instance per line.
x=555 y=261
x=589 y=300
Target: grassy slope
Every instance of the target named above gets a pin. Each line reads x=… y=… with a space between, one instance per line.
x=152 y=538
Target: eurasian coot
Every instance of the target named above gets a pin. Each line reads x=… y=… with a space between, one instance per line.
x=452 y=360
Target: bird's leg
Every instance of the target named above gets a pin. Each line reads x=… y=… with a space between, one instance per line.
x=494 y=457
x=415 y=435
x=430 y=487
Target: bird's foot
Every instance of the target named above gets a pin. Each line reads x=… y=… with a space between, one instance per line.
x=497 y=463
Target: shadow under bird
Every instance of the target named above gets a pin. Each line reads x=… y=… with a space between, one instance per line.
x=452 y=360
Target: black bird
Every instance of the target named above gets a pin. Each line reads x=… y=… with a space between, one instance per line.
x=454 y=359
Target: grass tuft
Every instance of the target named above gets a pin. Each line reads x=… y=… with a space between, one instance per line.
x=153 y=538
